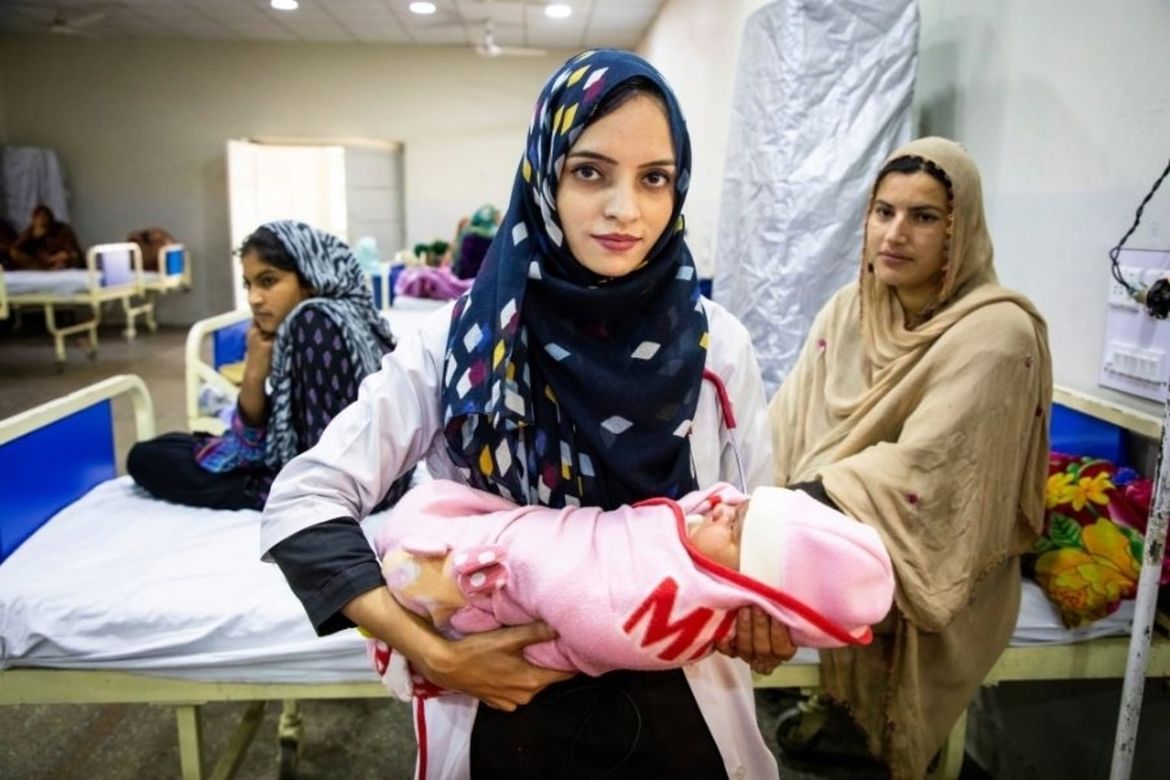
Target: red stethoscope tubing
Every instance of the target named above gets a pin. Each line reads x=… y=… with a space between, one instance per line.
x=727 y=412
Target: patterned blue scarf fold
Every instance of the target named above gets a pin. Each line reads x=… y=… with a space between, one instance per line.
x=561 y=387
x=341 y=294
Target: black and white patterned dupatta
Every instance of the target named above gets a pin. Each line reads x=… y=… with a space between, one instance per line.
x=341 y=294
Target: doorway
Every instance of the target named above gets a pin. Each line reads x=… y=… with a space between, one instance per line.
x=350 y=188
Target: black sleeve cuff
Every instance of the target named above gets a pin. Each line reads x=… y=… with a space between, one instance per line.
x=816 y=489
x=327 y=565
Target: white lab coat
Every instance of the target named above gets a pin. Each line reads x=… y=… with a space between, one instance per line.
x=396 y=421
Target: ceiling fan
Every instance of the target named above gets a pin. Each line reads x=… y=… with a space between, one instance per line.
x=75 y=25
x=487 y=46
x=69 y=20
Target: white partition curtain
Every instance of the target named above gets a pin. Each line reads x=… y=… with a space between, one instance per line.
x=31 y=175
x=822 y=95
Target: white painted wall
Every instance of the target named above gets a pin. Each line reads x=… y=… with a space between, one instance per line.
x=3 y=115
x=695 y=44
x=1065 y=105
x=141 y=124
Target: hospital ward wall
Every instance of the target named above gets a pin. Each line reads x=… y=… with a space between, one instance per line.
x=3 y=120
x=141 y=127
x=1065 y=104
x=695 y=43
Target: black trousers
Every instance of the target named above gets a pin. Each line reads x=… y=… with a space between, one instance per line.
x=621 y=725
x=166 y=467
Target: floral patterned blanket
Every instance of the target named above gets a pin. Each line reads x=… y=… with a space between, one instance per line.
x=1090 y=553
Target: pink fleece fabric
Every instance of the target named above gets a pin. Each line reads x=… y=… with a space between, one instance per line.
x=624 y=589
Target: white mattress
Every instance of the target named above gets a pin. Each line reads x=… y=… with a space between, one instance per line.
x=119 y=580
x=1039 y=622
x=408 y=313
x=67 y=281
x=157 y=276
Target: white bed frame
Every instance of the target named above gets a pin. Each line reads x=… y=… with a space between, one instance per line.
x=62 y=686
x=3 y=297
x=164 y=282
x=93 y=296
x=198 y=372
x=1093 y=659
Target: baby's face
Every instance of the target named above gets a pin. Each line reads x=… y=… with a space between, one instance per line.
x=717 y=537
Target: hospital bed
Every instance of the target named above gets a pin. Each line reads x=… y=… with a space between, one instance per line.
x=174 y=270
x=77 y=625
x=110 y=596
x=216 y=344
x=1041 y=647
x=112 y=273
x=382 y=284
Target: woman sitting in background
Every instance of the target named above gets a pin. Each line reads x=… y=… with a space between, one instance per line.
x=473 y=240
x=314 y=336
x=150 y=241
x=46 y=244
x=920 y=406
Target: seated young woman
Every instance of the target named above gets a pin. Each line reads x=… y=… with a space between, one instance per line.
x=315 y=335
x=46 y=244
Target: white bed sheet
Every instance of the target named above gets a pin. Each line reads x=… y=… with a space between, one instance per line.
x=122 y=581
x=67 y=281
x=1039 y=621
x=408 y=313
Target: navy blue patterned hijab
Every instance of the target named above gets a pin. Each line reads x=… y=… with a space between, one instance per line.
x=562 y=387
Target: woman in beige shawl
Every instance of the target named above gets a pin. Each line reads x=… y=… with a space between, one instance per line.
x=920 y=403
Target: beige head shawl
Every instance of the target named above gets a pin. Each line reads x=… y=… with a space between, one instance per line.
x=968 y=262
x=936 y=435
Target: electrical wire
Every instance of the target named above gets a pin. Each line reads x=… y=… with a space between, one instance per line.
x=1137 y=218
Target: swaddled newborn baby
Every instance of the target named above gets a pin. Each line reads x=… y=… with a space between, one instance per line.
x=650 y=586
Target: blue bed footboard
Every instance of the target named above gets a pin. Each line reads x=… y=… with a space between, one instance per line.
x=50 y=468
x=52 y=455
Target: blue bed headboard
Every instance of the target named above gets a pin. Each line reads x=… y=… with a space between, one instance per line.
x=229 y=343
x=48 y=468
x=1077 y=433
x=174 y=261
x=394 y=271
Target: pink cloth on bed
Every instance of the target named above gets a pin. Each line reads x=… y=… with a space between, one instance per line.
x=428 y=282
x=622 y=588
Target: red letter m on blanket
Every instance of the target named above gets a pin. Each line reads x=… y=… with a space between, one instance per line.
x=687 y=631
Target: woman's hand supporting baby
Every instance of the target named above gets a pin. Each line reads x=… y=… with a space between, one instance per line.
x=489 y=666
x=759 y=640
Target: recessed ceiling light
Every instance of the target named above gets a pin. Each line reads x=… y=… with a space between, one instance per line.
x=285 y=5
x=422 y=8
x=558 y=11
